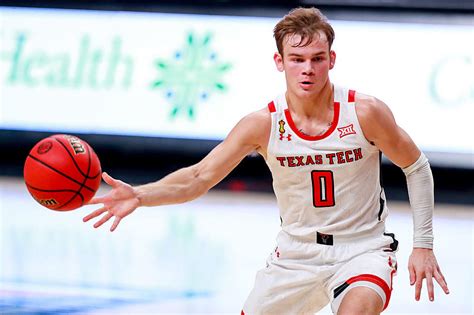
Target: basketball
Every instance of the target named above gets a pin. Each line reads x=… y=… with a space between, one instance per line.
x=62 y=172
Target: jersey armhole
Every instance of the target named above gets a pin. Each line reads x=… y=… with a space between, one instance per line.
x=351 y=98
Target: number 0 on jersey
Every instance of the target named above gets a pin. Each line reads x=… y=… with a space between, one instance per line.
x=323 y=188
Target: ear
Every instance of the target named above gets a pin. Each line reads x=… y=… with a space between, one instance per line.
x=278 y=61
x=332 y=59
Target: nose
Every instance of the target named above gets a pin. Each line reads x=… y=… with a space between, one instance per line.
x=308 y=68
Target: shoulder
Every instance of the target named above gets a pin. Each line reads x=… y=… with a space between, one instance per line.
x=260 y=116
x=374 y=115
x=256 y=121
x=254 y=128
x=368 y=106
x=371 y=109
x=380 y=128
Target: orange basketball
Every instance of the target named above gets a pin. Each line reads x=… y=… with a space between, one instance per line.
x=62 y=172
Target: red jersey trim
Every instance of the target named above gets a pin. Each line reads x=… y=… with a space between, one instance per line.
x=378 y=281
x=271 y=107
x=351 y=97
x=313 y=138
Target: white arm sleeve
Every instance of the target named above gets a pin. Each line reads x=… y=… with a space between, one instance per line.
x=421 y=194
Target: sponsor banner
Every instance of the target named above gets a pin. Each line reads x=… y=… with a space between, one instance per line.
x=195 y=76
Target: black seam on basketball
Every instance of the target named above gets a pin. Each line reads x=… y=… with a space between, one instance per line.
x=95 y=176
x=59 y=172
x=89 y=160
x=78 y=192
x=88 y=170
x=72 y=198
x=50 y=190
x=100 y=171
x=72 y=157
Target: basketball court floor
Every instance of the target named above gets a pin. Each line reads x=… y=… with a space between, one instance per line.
x=195 y=258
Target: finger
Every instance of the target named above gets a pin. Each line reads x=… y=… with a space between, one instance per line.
x=418 y=286
x=104 y=219
x=411 y=270
x=116 y=223
x=94 y=214
x=441 y=281
x=97 y=200
x=429 y=284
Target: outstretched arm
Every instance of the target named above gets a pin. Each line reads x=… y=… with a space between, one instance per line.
x=188 y=183
x=380 y=128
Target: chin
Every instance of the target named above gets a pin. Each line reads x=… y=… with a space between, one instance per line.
x=310 y=93
x=305 y=93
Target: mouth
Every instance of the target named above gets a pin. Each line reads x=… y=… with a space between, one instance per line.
x=306 y=84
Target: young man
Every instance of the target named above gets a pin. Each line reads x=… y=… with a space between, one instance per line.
x=322 y=144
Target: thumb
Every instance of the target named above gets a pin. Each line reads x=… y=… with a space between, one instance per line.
x=109 y=179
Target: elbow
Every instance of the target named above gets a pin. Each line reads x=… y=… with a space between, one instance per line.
x=200 y=183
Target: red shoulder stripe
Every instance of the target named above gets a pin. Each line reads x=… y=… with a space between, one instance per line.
x=351 y=98
x=271 y=107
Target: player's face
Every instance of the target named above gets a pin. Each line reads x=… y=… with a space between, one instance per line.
x=306 y=68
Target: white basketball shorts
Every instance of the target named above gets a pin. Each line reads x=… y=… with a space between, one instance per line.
x=302 y=277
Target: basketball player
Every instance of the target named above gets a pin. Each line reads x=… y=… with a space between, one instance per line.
x=322 y=144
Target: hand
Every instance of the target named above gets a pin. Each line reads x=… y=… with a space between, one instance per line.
x=422 y=264
x=119 y=202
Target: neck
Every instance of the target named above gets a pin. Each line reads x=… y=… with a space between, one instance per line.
x=314 y=105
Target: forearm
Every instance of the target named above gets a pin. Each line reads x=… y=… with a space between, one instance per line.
x=421 y=194
x=180 y=186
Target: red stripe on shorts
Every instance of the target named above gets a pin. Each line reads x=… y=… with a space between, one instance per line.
x=351 y=97
x=378 y=281
x=271 y=107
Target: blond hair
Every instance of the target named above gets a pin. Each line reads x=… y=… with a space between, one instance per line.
x=305 y=22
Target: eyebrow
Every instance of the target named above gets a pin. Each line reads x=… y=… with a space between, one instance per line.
x=298 y=55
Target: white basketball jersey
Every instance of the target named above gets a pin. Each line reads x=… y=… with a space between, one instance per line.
x=329 y=183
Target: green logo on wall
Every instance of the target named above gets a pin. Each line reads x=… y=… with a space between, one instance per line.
x=191 y=76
